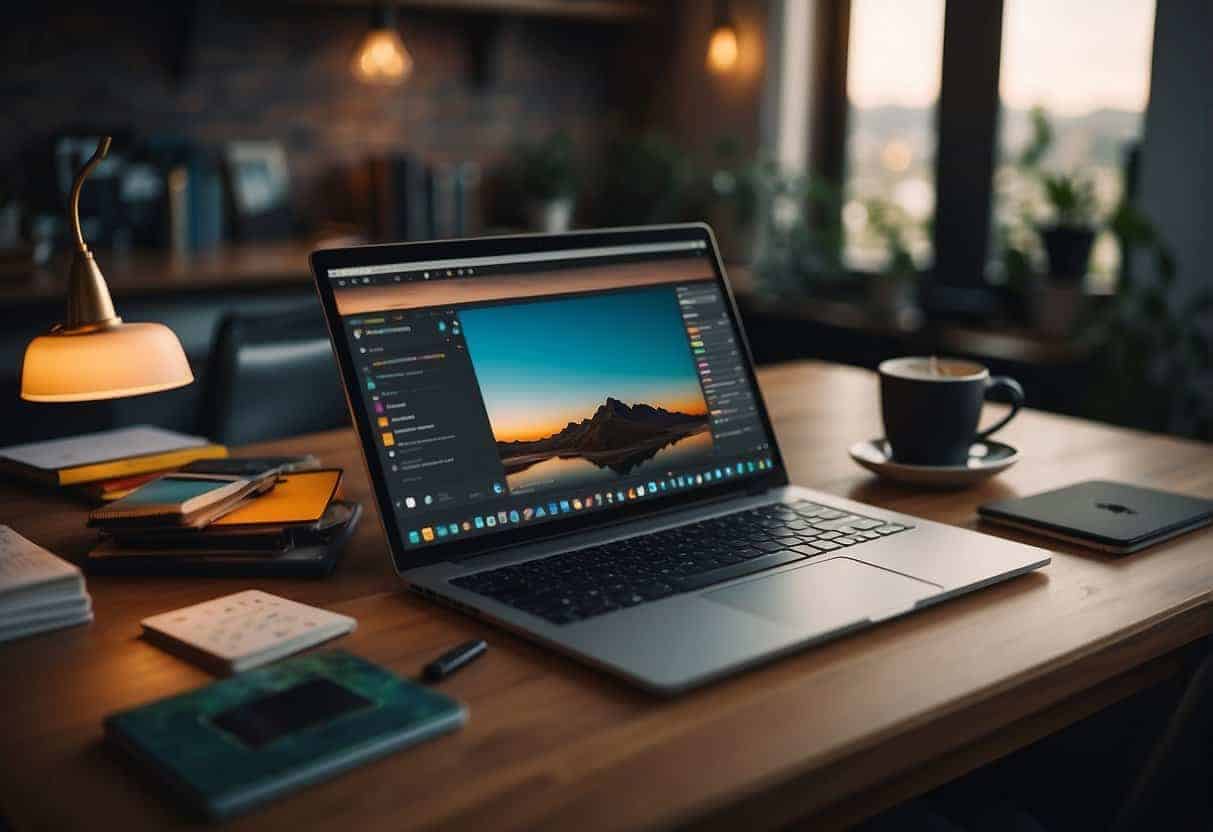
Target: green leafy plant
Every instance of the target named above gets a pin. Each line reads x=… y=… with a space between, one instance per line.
x=735 y=179
x=646 y=178
x=890 y=224
x=800 y=230
x=1064 y=236
x=1072 y=198
x=548 y=169
x=1038 y=145
x=1152 y=346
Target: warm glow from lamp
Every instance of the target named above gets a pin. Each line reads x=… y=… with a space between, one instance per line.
x=124 y=360
x=723 y=49
x=94 y=355
x=382 y=57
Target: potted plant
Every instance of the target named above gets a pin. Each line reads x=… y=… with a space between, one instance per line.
x=547 y=181
x=1152 y=344
x=798 y=250
x=645 y=179
x=891 y=292
x=1068 y=238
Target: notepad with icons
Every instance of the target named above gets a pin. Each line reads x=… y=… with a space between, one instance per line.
x=244 y=630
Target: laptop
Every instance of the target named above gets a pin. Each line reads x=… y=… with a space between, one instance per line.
x=565 y=437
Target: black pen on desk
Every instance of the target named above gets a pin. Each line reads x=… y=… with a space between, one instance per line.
x=453 y=659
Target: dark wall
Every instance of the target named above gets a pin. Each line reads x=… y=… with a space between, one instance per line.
x=226 y=70
x=1177 y=152
x=697 y=107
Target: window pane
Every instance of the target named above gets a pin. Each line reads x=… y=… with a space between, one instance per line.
x=792 y=102
x=893 y=60
x=1086 y=65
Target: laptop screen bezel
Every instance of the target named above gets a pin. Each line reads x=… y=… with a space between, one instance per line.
x=409 y=558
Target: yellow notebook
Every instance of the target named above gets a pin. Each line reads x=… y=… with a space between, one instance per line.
x=296 y=498
x=105 y=455
x=131 y=466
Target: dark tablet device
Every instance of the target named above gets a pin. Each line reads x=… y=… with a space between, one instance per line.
x=1109 y=516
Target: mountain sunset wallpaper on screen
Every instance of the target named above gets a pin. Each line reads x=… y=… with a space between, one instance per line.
x=587 y=387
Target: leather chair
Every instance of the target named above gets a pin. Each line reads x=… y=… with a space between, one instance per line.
x=273 y=376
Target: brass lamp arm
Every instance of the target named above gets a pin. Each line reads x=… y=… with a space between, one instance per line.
x=89 y=306
x=103 y=149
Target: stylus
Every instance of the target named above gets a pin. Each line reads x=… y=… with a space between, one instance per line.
x=453 y=659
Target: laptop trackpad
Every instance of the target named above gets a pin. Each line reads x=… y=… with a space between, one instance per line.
x=826 y=595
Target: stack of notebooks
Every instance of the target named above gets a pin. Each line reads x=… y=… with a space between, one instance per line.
x=256 y=523
x=107 y=465
x=38 y=591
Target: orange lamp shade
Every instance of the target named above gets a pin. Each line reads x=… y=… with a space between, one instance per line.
x=105 y=363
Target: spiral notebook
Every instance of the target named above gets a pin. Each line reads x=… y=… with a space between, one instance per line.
x=178 y=500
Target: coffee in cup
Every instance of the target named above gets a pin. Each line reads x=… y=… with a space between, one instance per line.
x=931 y=407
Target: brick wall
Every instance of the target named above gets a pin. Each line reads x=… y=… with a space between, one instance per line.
x=281 y=71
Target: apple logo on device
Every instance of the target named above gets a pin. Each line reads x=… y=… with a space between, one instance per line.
x=1115 y=508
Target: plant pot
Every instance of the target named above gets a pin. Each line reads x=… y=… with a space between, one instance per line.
x=1068 y=248
x=551 y=216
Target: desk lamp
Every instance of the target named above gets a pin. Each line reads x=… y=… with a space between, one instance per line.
x=93 y=354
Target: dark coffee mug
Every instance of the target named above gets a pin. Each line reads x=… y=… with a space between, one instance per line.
x=931 y=408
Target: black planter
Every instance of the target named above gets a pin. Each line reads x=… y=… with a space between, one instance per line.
x=1068 y=248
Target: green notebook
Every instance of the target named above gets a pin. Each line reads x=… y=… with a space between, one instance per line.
x=245 y=740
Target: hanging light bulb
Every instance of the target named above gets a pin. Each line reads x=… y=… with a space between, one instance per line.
x=723 y=48
x=382 y=57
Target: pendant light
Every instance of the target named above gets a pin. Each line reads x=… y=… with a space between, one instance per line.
x=382 y=57
x=723 y=46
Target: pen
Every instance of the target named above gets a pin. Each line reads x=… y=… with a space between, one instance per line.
x=453 y=659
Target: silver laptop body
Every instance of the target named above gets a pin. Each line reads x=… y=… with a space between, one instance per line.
x=521 y=312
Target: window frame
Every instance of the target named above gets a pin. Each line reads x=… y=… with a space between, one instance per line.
x=967 y=118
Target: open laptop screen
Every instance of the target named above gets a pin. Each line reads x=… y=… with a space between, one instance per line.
x=518 y=390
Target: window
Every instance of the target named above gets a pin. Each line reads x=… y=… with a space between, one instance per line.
x=792 y=102
x=893 y=66
x=1084 y=67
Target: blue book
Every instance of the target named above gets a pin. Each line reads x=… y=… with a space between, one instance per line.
x=238 y=743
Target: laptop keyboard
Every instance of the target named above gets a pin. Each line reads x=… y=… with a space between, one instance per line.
x=573 y=586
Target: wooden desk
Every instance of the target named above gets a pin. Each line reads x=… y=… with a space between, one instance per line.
x=839 y=732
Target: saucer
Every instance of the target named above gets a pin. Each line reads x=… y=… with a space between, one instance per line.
x=986 y=458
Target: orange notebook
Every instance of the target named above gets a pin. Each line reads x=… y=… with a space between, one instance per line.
x=302 y=497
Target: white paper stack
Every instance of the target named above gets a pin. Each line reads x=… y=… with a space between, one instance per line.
x=38 y=591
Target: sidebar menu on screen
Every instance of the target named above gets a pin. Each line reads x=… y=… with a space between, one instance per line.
x=427 y=419
x=736 y=427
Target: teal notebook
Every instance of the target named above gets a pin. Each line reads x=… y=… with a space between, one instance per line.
x=237 y=743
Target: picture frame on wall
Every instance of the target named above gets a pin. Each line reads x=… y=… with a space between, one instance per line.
x=259 y=188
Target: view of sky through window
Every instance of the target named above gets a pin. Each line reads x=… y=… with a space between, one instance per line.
x=1086 y=65
x=893 y=65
